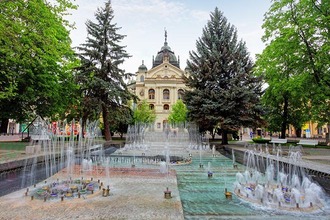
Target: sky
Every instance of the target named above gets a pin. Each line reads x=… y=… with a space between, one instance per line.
x=144 y=21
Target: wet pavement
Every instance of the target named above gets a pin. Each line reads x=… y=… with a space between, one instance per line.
x=132 y=196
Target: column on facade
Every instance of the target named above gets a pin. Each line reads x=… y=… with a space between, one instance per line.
x=159 y=96
x=173 y=95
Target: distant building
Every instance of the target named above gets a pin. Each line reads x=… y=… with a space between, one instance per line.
x=162 y=85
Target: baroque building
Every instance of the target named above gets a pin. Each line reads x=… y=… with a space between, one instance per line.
x=162 y=85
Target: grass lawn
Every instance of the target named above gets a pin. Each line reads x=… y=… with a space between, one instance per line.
x=13 y=145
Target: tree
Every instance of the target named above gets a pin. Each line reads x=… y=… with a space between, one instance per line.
x=178 y=114
x=35 y=59
x=224 y=92
x=297 y=33
x=282 y=97
x=120 y=119
x=143 y=114
x=102 y=56
x=89 y=107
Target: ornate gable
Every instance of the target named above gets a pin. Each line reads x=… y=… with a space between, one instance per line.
x=165 y=71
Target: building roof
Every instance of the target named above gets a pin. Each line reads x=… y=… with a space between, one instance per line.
x=143 y=67
x=165 y=52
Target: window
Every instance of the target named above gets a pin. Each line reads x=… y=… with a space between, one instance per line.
x=141 y=78
x=166 y=94
x=151 y=107
x=180 y=93
x=151 y=94
x=166 y=107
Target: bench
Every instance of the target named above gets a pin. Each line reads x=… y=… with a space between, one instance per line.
x=278 y=141
x=308 y=142
x=40 y=137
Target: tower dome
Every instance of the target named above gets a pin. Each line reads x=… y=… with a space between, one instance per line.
x=142 y=67
x=165 y=51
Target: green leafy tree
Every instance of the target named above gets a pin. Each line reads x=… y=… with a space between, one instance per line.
x=35 y=59
x=178 y=114
x=282 y=97
x=224 y=92
x=143 y=114
x=297 y=33
x=101 y=56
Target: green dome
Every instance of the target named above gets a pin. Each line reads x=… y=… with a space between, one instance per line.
x=143 y=67
x=165 y=47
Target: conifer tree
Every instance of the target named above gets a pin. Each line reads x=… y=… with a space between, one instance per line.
x=224 y=93
x=102 y=56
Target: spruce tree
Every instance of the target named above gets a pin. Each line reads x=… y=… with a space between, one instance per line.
x=223 y=92
x=100 y=72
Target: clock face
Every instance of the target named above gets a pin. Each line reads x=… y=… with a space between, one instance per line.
x=141 y=93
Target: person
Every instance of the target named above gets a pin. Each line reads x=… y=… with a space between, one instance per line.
x=240 y=135
x=251 y=134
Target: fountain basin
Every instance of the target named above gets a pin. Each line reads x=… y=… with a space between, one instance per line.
x=284 y=206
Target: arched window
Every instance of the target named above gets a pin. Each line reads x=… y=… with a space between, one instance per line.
x=151 y=94
x=151 y=107
x=166 y=107
x=142 y=78
x=180 y=93
x=166 y=94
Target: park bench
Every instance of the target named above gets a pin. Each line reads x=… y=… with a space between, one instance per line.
x=40 y=137
x=278 y=141
x=308 y=142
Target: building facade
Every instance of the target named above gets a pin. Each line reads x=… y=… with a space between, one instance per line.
x=162 y=85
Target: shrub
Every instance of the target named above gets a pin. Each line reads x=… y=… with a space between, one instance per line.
x=260 y=140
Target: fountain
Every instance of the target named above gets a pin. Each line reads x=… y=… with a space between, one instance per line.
x=63 y=157
x=277 y=182
x=161 y=164
x=209 y=170
x=213 y=150
x=68 y=189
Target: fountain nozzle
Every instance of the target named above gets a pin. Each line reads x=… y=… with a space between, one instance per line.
x=167 y=193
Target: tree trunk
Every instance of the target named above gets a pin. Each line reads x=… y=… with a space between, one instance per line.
x=212 y=132
x=4 y=125
x=327 y=139
x=224 y=139
x=284 y=117
x=298 y=132
x=105 y=113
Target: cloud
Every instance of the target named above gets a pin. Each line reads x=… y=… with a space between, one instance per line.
x=143 y=23
x=200 y=15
